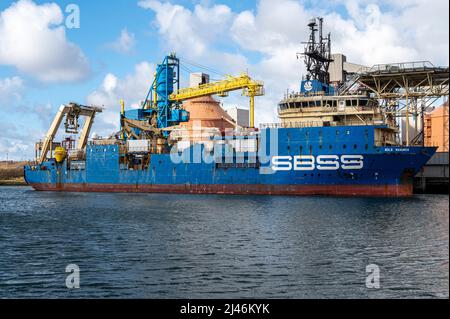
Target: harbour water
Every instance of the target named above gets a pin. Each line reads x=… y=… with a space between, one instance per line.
x=194 y=246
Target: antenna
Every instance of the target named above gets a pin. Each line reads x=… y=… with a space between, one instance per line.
x=317 y=53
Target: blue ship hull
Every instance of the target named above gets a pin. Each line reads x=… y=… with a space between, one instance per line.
x=341 y=161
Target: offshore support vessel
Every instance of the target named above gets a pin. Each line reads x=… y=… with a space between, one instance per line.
x=325 y=144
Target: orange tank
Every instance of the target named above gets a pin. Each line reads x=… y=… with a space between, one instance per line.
x=437 y=128
x=209 y=112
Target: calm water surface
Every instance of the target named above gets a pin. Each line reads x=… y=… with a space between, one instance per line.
x=183 y=246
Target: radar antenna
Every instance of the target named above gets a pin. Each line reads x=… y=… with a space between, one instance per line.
x=317 y=53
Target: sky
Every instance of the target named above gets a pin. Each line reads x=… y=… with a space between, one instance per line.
x=48 y=57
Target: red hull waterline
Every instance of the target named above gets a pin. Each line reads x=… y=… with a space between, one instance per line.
x=400 y=190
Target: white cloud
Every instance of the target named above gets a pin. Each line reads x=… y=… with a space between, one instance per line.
x=44 y=113
x=392 y=31
x=15 y=150
x=376 y=43
x=133 y=89
x=11 y=90
x=125 y=43
x=425 y=26
x=275 y=24
x=17 y=141
x=189 y=31
x=33 y=39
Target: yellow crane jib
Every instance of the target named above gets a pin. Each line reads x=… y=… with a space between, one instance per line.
x=250 y=87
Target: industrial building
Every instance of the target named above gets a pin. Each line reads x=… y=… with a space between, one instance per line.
x=436 y=128
x=240 y=116
x=341 y=70
x=434 y=176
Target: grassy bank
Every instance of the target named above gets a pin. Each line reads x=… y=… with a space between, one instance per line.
x=11 y=173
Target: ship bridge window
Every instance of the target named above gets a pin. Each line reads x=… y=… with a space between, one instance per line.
x=344 y=146
x=355 y=146
x=363 y=102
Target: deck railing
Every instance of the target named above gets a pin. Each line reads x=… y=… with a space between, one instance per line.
x=324 y=124
x=401 y=67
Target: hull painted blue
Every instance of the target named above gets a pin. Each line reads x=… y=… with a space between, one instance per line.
x=382 y=166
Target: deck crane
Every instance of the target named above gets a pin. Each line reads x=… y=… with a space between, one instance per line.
x=162 y=107
x=71 y=112
x=250 y=87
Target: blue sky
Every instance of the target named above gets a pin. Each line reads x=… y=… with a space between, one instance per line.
x=112 y=55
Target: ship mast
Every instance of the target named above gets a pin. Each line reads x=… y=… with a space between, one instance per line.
x=317 y=53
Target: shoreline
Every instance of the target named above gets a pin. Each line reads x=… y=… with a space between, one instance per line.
x=13 y=182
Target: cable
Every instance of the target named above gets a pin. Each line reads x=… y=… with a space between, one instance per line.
x=209 y=69
x=185 y=68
